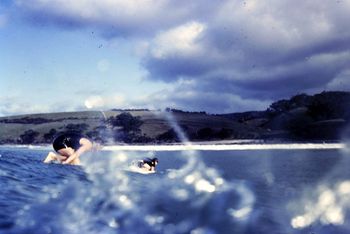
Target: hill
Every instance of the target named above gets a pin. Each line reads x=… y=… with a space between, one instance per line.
x=303 y=117
x=118 y=126
x=323 y=116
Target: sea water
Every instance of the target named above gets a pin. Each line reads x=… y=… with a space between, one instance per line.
x=270 y=190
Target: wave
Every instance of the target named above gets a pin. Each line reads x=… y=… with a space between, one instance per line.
x=233 y=145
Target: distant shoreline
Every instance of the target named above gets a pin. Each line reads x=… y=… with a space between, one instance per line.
x=208 y=145
x=219 y=147
x=302 y=118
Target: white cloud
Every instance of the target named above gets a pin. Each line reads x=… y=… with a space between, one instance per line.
x=182 y=40
x=94 y=102
x=105 y=102
x=15 y=106
x=118 y=100
x=235 y=50
x=185 y=97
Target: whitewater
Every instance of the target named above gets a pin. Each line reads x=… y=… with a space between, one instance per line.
x=197 y=146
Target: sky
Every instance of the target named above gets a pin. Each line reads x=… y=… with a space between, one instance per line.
x=218 y=56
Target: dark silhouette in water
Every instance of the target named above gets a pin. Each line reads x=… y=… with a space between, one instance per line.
x=69 y=147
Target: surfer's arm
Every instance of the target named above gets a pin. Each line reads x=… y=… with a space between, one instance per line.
x=85 y=145
x=50 y=157
x=147 y=167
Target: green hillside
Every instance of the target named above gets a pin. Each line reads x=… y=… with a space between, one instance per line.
x=323 y=116
x=133 y=127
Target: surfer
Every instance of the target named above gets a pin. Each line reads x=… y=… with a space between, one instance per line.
x=69 y=147
x=148 y=164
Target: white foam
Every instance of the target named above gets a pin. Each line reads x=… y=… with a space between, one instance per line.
x=224 y=145
x=180 y=147
x=32 y=147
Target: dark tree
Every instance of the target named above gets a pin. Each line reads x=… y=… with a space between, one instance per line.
x=48 y=137
x=225 y=133
x=126 y=121
x=78 y=128
x=279 y=107
x=330 y=105
x=168 y=136
x=126 y=128
x=28 y=137
x=205 y=134
x=299 y=126
x=300 y=100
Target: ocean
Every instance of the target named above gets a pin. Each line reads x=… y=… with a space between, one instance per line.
x=203 y=191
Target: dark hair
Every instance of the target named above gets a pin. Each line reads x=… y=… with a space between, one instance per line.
x=65 y=140
x=151 y=161
x=155 y=160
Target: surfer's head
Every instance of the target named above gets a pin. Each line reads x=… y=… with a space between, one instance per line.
x=66 y=141
x=151 y=161
x=154 y=161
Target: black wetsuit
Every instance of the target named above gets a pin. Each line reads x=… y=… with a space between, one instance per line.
x=150 y=162
x=71 y=140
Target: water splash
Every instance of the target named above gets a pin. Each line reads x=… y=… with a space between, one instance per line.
x=327 y=205
x=115 y=200
x=104 y=115
x=194 y=198
x=325 y=208
x=173 y=123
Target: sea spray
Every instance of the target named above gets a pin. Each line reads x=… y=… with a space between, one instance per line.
x=107 y=133
x=194 y=198
x=228 y=193
x=325 y=207
x=173 y=123
x=190 y=155
x=116 y=200
x=169 y=202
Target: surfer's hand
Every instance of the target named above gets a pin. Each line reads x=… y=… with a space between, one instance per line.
x=50 y=157
x=70 y=159
x=61 y=158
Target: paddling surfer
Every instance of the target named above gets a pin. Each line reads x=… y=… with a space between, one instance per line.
x=148 y=164
x=69 y=147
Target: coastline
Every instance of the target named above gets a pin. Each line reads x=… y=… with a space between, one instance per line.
x=220 y=147
x=204 y=145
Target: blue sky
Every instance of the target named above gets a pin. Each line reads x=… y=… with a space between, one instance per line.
x=215 y=56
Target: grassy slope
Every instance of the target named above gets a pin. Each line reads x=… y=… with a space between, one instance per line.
x=154 y=122
x=322 y=116
x=57 y=121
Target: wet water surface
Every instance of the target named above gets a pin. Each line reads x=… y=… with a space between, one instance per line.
x=244 y=191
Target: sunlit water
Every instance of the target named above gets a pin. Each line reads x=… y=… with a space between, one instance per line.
x=198 y=192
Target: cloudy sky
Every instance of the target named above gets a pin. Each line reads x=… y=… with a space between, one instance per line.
x=217 y=56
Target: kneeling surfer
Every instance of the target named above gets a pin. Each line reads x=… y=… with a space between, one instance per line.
x=69 y=147
x=148 y=164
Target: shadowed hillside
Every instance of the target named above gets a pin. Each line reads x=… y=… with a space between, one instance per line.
x=322 y=116
x=109 y=127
